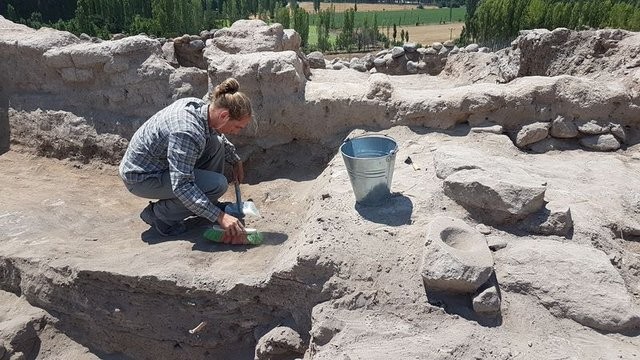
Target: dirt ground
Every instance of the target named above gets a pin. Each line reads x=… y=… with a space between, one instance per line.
x=428 y=34
x=64 y=215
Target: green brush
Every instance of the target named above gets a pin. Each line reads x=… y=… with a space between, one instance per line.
x=215 y=234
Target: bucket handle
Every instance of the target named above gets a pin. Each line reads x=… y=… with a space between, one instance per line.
x=392 y=152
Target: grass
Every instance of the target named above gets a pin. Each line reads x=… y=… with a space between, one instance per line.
x=414 y=17
x=313 y=35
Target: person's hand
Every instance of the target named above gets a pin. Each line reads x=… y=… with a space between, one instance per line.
x=238 y=172
x=234 y=232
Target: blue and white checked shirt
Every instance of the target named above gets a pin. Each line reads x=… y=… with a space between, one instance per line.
x=174 y=139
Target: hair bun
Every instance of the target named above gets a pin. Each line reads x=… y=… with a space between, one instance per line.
x=229 y=86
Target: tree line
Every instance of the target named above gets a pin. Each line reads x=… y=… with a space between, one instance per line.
x=496 y=21
x=171 y=18
x=166 y=18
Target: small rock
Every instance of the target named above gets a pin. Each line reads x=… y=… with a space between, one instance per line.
x=563 y=128
x=378 y=62
x=396 y=52
x=323 y=331
x=449 y=43
x=431 y=51
x=472 y=48
x=532 y=133
x=593 y=128
x=492 y=129
x=280 y=342
x=483 y=229
x=382 y=53
x=555 y=219
x=496 y=243
x=358 y=65
x=316 y=60
x=618 y=131
x=437 y=45
x=487 y=302
x=606 y=142
x=412 y=67
x=410 y=47
x=17 y=356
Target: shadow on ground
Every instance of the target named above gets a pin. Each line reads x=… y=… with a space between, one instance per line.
x=462 y=304
x=396 y=211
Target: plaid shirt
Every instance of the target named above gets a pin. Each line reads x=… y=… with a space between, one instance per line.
x=174 y=139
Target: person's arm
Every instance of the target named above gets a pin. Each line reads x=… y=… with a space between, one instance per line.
x=182 y=153
x=232 y=158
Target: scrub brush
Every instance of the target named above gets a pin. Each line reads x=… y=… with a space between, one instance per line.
x=215 y=234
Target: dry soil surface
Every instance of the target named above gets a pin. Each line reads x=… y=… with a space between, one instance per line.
x=72 y=217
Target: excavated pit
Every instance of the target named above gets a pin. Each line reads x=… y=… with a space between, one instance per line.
x=82 y=277
x=337 y=273
x=119 y=289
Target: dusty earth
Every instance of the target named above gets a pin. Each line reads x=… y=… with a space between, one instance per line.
x=533 y=152
x=72 y=219
x=428 y=34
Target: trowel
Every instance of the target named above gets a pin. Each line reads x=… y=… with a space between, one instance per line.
x=241 y=208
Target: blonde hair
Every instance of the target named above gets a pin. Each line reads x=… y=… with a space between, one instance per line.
x=226 y=95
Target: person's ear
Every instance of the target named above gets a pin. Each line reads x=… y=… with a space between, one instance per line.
x=224 y=116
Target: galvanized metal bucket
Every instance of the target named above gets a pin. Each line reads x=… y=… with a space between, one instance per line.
x=370 y=160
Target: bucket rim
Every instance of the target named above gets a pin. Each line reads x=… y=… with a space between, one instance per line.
x=386 y=137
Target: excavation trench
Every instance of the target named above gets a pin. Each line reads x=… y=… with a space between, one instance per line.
x=117 y=288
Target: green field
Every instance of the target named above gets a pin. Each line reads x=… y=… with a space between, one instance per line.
x=399 y=17
x=313 y=36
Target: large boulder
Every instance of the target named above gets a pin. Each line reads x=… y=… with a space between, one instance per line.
x=251 y=36
x=571 y=280
x=456 y=257
x=498 y=197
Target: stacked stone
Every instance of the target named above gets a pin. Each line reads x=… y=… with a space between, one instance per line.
x=399 y=60
x=558 y=134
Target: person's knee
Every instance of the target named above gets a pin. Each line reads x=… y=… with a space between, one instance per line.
x=211 y=183
x=216 y=189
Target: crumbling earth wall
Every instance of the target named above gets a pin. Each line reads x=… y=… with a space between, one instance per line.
x=109 y=88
